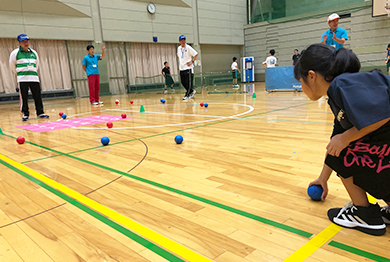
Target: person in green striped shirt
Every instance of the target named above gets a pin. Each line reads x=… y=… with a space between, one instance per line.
x=24 y=62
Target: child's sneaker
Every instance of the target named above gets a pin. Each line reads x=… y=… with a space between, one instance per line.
x=366 y=219
x=385 y=212
x=24 y=118
x=185 y=98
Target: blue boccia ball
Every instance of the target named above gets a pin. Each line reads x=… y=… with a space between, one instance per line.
x=315 y=192
x=206 y=105
x=105 y=140
x=178 y=139
x=63 y=116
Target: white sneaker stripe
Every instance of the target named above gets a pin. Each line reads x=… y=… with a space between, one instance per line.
x=357 y=220
x=352 y=219
x=360 y=220
x=344 y=217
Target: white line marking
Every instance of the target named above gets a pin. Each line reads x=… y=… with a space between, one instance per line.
x=189 y=123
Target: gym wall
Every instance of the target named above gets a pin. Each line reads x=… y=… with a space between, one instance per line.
x=368 y=38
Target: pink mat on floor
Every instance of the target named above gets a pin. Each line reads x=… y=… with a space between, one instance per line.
x=74 y=122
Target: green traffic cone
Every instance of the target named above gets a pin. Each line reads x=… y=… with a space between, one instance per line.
x=254 y=95
x=1 y=132
x=142 y=109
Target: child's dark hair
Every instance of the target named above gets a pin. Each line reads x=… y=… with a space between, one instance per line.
x=165 y=62
x=90 y=46
x=272 y=51
x=388 y=45
x=234 y=59
x=296 y=50
x=326 y=61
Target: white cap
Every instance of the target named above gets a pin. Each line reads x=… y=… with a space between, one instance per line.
x=333 y=17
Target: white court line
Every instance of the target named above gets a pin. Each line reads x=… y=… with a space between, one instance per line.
x=181 y=124
x=78 y=115
x=303 y=114
x=164 y=113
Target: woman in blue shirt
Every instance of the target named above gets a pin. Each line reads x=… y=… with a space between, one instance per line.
x=359 y=149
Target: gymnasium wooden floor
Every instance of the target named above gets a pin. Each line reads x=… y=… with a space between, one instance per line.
x=235 y=190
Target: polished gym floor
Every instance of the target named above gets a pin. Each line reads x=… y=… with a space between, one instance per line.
x=234 y=190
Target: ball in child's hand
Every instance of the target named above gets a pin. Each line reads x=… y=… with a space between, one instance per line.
x=315 y=192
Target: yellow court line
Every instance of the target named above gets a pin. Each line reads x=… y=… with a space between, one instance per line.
x=316 y=242
x=113 y=215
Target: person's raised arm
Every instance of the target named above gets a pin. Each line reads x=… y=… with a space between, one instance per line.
x=341 y=41
x=103 y=52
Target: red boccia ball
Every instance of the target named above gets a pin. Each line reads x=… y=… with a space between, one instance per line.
x=123 y=116
x=116 y=101
x=202 y=104
x=20 y=140
x=110 y=125
x=61 y=113
x=131 y=101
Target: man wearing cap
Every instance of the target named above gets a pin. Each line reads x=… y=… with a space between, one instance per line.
x=187 y=55
x=24 y=62
x=334 y=36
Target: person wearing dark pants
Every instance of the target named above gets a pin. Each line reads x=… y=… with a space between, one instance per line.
x=185 y=76
x=24 y=63
x=187 y=55
x=36 y=94
x=166 y=72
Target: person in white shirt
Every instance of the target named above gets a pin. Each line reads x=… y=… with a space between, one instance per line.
x=271 y=60
x=235 y=68
x=187 y=55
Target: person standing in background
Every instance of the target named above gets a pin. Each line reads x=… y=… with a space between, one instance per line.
x=334 y=36
x=235 y=69
x=166 y=72
x=295 y=57
x=187 y=55
x=90 y=67
x=271 y=60
x=24 y=62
